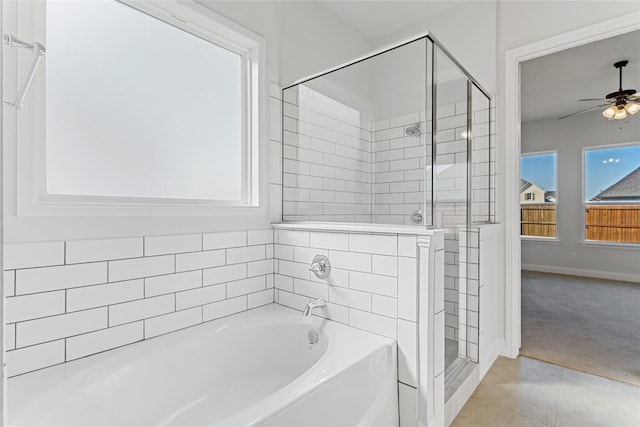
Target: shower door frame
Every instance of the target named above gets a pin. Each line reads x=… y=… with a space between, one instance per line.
x=471 y=81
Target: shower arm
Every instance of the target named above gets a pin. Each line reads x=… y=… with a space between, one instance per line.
x=38 y=51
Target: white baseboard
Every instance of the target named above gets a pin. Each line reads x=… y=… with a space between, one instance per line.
x=487 y=358
x=584 y=273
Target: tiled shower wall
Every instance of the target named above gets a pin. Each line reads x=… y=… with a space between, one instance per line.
x=461 y=289
x=451 y=285
x=399 y=169
x=331 y=174
x=483 y=162
x=399 y=161
x=70 y=299
x=326 y=159
x=469 y=292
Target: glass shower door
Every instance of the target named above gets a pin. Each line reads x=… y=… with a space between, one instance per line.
x=451 y=204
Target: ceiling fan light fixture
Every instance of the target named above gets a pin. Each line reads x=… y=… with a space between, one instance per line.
x=620 y=114
x=622 y=103
x=632 y=108
x=609 y=112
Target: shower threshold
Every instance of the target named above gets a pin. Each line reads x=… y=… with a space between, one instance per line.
x=456 y=374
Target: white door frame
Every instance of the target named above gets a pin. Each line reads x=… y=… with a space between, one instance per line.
x=513 y=58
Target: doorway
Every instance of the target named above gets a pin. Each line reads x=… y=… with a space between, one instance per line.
x=513 y=60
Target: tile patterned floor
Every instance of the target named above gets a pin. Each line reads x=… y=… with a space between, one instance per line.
x=527 y=392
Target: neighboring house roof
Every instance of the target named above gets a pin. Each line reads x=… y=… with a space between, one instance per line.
x=628 y=188
x=550 y=196
x=524 y=184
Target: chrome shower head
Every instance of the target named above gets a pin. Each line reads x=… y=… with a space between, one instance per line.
x=413 y=130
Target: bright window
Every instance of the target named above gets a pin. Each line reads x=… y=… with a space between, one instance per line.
x=538 y=197
x=148 y=110
x=144 y=104
x=612 y=194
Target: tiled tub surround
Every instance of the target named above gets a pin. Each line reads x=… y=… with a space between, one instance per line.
x=70 y=299
x=379 y=282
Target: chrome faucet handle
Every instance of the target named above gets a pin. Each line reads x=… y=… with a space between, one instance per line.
x=320 y=266
x=416 y=217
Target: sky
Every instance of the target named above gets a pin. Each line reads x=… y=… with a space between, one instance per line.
x=539 y=169
x=603 y=168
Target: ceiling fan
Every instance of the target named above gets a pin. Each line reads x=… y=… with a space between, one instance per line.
x=619 y=103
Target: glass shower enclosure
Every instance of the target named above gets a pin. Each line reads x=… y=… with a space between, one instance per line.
x=399 y=137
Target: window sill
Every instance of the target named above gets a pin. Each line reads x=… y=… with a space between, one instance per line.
x=87 y=206
x=609 y=245
x=545 y=240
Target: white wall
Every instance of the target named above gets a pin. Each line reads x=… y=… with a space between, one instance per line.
x=568 y=137
x=400 y=79
x=468 y=32
x=69 y=299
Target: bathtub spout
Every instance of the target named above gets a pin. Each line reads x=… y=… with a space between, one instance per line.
x=320 y=302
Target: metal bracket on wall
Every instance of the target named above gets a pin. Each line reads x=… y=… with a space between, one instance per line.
x=38 y=51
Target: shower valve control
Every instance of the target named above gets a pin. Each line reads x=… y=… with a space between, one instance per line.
x=320 y=266
x=416 y=217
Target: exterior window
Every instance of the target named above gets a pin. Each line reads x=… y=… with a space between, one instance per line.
x=612 y=194
x=146 y=104
x=538 y=198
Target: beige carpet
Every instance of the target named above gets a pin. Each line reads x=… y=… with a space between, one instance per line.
x=589 y=325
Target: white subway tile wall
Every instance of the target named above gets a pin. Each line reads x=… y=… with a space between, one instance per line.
x=469 y=292
x=340 y=167
x=326 y=159
x=373 y=285
x=399 y=164
x=451 y=284
x=461 y=289
x=483 y=160
x=77 y=298
x=357 y=295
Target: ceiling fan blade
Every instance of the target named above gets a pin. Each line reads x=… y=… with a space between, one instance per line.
x=592 y=99
x=582 y=111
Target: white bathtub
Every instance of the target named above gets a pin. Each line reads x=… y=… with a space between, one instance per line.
x=253 y=368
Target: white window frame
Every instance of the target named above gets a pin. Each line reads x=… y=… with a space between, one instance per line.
x=32 y=198
x=583 y=236
x=557 y=236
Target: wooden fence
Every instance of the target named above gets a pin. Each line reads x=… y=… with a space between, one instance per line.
x=618 y=223
x=607 y=223
x=538 y=220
